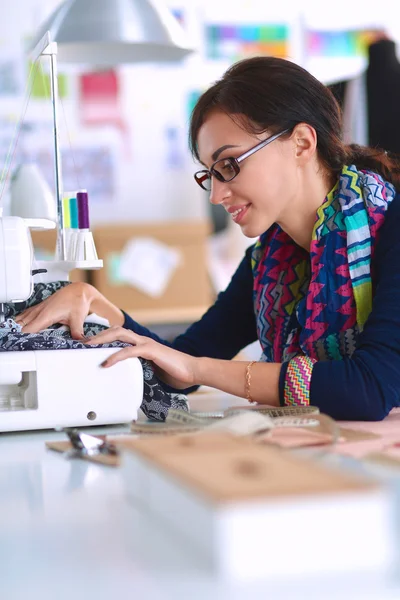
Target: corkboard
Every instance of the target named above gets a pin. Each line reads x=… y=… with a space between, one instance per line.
x=189 y=286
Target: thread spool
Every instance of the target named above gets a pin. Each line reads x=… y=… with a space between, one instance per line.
x=74 y=222
x=73 y=208
x=81 y=246
x=83 y=209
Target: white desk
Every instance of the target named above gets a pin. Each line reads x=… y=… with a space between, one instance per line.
x=67 y=531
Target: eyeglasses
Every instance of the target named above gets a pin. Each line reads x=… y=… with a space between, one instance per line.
x=226 y=169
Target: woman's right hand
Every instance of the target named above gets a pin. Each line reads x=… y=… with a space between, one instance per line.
x=68 y=306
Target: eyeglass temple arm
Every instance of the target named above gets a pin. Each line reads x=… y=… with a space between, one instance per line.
x=261 y=145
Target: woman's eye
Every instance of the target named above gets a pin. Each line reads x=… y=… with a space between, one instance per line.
x=226 y=166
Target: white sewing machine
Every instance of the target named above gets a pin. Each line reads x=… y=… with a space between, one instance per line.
x=56 y=388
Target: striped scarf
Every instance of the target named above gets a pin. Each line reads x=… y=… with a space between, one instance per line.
x=316 y=304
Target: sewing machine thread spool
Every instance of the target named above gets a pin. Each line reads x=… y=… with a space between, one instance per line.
x=80 y=244
x=66 y=212
x=73 y=210
x=82 y=200
x=72 y=216
x=85 y=248
x=67 y=223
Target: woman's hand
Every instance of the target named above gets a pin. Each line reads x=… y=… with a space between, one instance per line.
x=69 y=306
x=173 y=367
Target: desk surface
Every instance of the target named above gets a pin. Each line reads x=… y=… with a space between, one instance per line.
x=67 y=531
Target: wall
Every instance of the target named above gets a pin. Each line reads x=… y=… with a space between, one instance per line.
x=152 y=166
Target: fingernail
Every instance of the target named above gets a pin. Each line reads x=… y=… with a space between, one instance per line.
x=104 y=364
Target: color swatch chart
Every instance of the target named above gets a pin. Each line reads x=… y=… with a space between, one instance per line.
x=233 y=42
x=339 y=43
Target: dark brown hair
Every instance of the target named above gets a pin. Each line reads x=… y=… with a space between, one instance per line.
x=274 y=94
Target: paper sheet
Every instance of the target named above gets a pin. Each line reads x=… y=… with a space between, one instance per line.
x=148 y=265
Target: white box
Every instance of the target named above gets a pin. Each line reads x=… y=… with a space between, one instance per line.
x=300 y=518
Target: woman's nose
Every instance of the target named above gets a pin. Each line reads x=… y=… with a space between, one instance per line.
x=219 y=191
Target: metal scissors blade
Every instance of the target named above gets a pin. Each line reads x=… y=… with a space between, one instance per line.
x=88 y=445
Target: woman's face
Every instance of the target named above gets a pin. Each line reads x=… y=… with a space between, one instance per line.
x=264 y=190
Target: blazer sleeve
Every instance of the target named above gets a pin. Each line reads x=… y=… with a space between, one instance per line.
x=230 y=324
x=227 y=327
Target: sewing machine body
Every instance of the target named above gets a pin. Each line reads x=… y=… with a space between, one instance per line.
x=56 y=388
x=16 y=257
x=67 y=388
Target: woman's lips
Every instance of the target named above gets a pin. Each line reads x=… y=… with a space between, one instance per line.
x=238 y=213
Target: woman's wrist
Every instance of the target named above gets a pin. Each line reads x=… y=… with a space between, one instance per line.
x=200 y=370
x=234 y=377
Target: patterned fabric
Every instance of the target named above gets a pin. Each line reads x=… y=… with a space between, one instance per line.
x=156 y=401
x=297 y=381
x=316 y=304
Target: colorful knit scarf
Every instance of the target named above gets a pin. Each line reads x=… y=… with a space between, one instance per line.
x=312 y=306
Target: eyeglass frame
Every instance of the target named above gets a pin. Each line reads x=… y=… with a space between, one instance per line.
x=235 y=162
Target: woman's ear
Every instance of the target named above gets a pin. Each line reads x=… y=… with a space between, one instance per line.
x=305 y=142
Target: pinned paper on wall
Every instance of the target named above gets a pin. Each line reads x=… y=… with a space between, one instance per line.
x=340 y=43
x=11 y=76
x=90 y=164
x=41 y=88
x=99 y=99
x=174 y=147
x=233 y=42
x=91 y=167
x=148 y=265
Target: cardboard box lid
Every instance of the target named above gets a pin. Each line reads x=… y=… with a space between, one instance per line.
x=234 y=469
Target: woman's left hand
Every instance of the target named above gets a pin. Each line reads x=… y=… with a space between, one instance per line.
x=173 y=367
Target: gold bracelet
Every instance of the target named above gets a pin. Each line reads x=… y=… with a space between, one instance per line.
x=248 y=382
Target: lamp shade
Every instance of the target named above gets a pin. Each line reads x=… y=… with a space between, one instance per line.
x=31 y=196
x=109 y=32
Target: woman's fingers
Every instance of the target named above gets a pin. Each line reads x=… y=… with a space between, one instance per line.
x=69 y=306
x=40 y=317
x=114 y=334
x=139 y=348
x=129 y=352
x=27 y=317
x=38 y=323
x=25 y=314
x=21 y=320
x=173 y=367
x=76 y=321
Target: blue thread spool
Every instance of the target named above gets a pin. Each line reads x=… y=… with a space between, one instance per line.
x=73 y=210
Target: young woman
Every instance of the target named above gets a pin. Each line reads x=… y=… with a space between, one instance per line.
x=321 y=287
